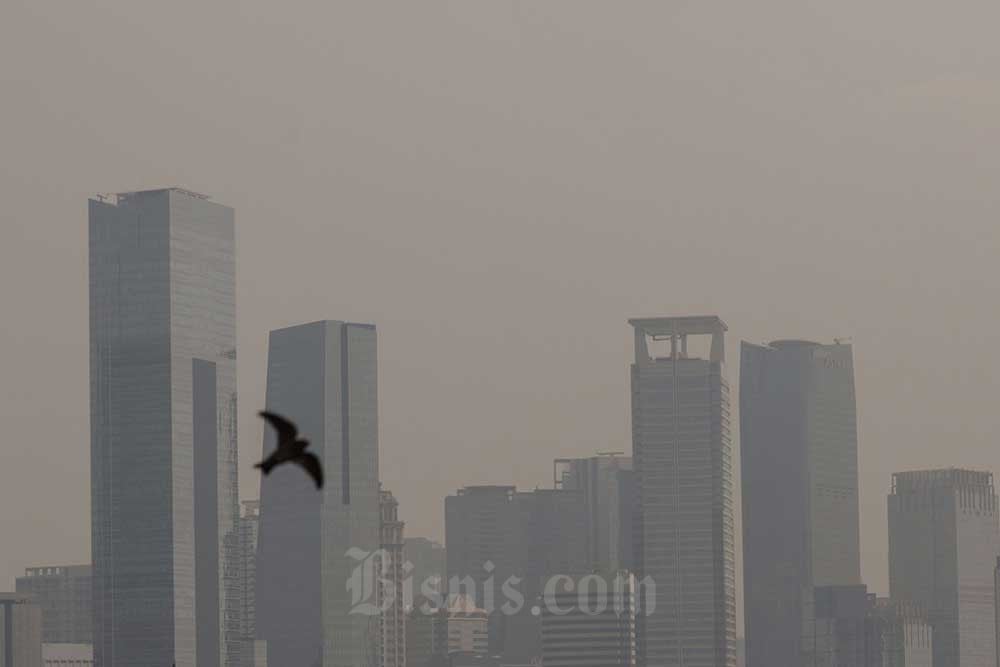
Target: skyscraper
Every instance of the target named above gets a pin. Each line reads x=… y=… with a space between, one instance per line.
x=606 y=482
x=163 y=429
x=683 y=463
x=798 y=434
x=249 y=532
x=322 y=376
x=392 y=621
x=944 y=539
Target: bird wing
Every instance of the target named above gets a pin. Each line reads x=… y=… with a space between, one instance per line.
x=286 y=429
x=312 y=466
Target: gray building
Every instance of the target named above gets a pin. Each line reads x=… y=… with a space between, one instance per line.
x=428 y=560
x=163 y=429
x=798 y=434
x=607 y=484
x=495 y=532
x=64 y=594
x=592 y=625
x=392 y=621
x=323 y=376
x=20 y=631
x=944 y=539
x=683 y=459
x=253 y=653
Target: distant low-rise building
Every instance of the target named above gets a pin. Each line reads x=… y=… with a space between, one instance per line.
x=67 y=655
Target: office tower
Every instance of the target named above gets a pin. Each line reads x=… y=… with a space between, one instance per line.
x=683 y=463
x=20 y=631
x=494 y=533
x=253 y=652
x=943 y=543
x=163 y=429
x=64 y=594
x=428 y=560
x=392 y=620
x=798 y=434
x=594 y=626
x=837 y=632
x=607 y=484
x=419 y=636
x=481 y=541
x=314 y=544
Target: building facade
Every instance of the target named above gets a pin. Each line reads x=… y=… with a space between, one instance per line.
x=163 y=430
x=683 y=460
x=944 y=539
x=392 y=618
x=20 y=631
x=322 y=376
x=64 y=594
x=606 y=482
x=428 y=559
x=253 y=652
x=68 y=655
x=798 y=434
x=592 y=625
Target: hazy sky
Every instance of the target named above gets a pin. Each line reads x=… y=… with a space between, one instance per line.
x=499 y=186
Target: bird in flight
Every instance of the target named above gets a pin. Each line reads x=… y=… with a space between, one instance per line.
x=291 y=449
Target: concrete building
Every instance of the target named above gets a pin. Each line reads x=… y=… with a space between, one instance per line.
x=429 y=562
x=20 y=631
x=494 y=533
x=419 y=636
x=461 y=627
x=164 y=502
x=313 y=545
x=592 y=625
x=683 y=459
x=905 y=633
x=607 y=484
x=64 y=594
x=67 y=655
x=254 y=652
x=944 y=539
x=798 y=434
x=392 y=620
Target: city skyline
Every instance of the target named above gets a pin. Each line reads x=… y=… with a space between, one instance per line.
x=830 y=164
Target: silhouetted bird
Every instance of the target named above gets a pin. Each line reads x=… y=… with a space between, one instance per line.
x=290 y=449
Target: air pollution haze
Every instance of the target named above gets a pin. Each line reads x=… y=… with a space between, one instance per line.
x=499 y=186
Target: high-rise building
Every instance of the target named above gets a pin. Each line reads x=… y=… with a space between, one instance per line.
x=253 y=652
x=322 y=376
x=428 y=560
x=904 y=634
x=606 y=482
x=420 y=635
x=164 y=502
x=64 y=594
x=592 y=625
x=683 y=460
x=482 y=541
x=944 y=539
x=392 y=619
x=20 y=631
x=494 y=533
x=67 y=655
x=799 y=446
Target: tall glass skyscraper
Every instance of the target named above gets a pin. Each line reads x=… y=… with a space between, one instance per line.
x=163 y=430
x=322 y=376
x=944 y=539
x=799 y=455
x=683 y=462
